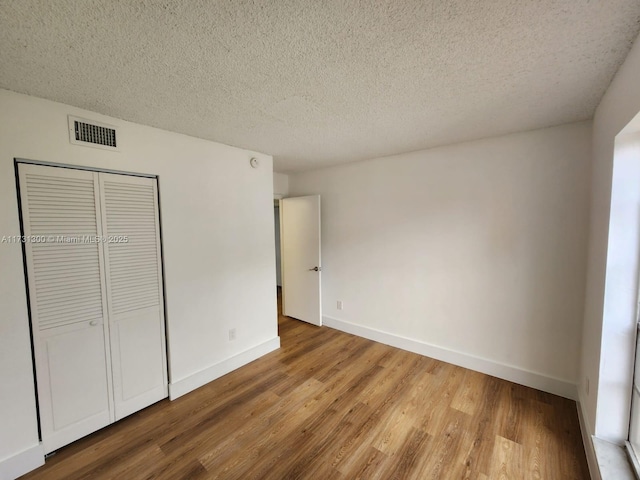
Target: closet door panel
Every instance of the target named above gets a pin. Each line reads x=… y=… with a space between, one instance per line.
x=65 y=271
x=78 y=403
x=134 y=286
x=140 y=348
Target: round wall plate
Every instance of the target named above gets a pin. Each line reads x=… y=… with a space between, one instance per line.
x=253 y=162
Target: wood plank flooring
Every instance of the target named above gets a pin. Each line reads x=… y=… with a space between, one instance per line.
x=329 y=405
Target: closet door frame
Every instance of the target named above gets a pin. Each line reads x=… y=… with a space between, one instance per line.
x=35 y=336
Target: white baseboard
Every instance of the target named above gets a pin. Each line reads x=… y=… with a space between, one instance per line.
x=25 y=461
x=198 y=379
x=587 y=441
x=535 y=380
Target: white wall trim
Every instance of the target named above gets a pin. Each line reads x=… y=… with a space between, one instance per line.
x=528 y=378
x=198 y=379
x=587 y=441
x=25 y=461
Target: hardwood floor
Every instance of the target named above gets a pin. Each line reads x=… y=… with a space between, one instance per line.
x=329 y=405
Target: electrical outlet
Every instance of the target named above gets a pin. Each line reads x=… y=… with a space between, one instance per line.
x=232 y=334
x=339 y=304
x=586 y=385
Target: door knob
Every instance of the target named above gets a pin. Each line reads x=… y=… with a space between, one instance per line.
x=93 y=323
x=315 y=269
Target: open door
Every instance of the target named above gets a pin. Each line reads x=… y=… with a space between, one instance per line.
x=301 y=266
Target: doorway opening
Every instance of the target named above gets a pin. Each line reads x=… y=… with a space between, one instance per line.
x=298 y=257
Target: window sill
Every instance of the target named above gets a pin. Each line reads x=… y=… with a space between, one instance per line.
x=612 y=461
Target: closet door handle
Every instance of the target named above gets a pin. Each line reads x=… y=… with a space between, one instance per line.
x=93 y=323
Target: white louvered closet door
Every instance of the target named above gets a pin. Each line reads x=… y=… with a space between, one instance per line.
x=68 y=301
x=134 y=291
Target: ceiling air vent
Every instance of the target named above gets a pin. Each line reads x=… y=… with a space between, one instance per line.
x=92 y=134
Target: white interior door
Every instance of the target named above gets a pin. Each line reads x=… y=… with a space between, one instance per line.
x=301 y=258
x=68 y=303
x=134 y=291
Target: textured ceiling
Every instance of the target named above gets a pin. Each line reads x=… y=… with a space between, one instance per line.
x=316 y=83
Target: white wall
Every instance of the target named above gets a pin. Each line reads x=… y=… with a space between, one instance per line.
x=475 y=251
x=607 y=345
x=217 y=219
x=280 y=185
